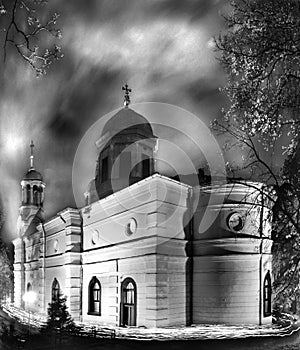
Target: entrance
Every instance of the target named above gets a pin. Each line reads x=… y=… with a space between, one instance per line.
x=128 y=303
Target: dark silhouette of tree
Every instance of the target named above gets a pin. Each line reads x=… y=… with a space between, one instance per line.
x=286 y=235
x=260 y=51
x=24 y=24
x=59 y=318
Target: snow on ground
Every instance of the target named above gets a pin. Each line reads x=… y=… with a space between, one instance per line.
x=205 y=331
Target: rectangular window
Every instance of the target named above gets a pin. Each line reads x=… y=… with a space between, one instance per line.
x=104 y=169
x=145 y=166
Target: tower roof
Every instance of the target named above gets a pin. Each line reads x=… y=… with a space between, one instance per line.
x=32 y=174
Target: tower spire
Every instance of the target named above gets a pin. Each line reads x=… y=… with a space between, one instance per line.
x=126 y=95
x=31 y=155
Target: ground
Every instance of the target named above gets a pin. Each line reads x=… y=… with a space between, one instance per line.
x=90 y=344
x=51 y=342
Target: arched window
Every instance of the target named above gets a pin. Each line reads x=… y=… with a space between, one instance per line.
x=104 y=169
x=267 y=295
x=145 y=166
x=95 y=297
x=29 y=287
x=27 y=194
x=128 y=303
x=35 y=195
x=24 y=193
x=55 y=290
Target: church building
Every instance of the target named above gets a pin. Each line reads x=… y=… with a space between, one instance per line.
x=134 y=254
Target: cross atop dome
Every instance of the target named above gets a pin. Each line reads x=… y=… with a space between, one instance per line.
x=31 y=154
x=32 y=174
x=126 y=95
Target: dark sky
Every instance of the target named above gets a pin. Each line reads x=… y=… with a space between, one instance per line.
x=162 y=48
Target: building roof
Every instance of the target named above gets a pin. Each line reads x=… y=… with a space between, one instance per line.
x=126 y=118
x=33 y=174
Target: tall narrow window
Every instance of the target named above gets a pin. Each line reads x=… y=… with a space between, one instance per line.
x=267 y=295
x=95 y=297
x=24 y=199
x=128 y=303
x=104 y=169
x=35 y=195
x=28 y=194
x=55 y=290
x=145 y=166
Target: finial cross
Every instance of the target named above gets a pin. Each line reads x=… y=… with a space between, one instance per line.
x=126 y=96
x=31 y=154
x=31 y=147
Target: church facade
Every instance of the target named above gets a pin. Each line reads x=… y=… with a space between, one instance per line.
x=134 y=254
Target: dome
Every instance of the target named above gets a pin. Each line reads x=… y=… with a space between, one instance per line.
x=126 y=118
x=32 y=174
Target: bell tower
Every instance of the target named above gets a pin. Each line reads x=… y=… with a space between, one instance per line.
x=30 y=215
x=33 y=187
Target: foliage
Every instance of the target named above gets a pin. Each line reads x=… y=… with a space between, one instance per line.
x=286 y=235
x=24 y=23
x=6 y=273
x=59 y=317
x=260 y=51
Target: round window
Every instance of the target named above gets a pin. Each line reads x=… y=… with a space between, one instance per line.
x=55 y=246
x=95 y=237
x=235 y=221
x=131 y=227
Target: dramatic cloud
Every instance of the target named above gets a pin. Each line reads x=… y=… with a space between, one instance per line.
x=162 y=48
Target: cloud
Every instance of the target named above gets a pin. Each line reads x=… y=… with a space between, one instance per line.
x=160 y=47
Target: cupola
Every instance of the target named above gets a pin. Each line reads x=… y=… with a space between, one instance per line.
x=126 y=150
x=32 y=184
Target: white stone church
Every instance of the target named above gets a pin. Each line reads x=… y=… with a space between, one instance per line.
x=129 y=257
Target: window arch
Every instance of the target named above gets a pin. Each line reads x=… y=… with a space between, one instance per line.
x=267 y=295
x=128 y=303
x=55 y=290
x=94 y=297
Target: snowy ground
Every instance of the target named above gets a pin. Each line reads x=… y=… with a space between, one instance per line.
x=197 y=332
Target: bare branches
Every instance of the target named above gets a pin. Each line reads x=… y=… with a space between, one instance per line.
x=23 y=30
x=260 y=51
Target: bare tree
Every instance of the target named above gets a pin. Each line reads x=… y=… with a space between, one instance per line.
x=24 y=25
x=260 y=51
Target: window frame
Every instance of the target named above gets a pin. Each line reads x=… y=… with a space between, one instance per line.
x=132 y=294
x=91 y=299
x=267 y=295
x=146 y=166
x=104 y=169
x=55 y=290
